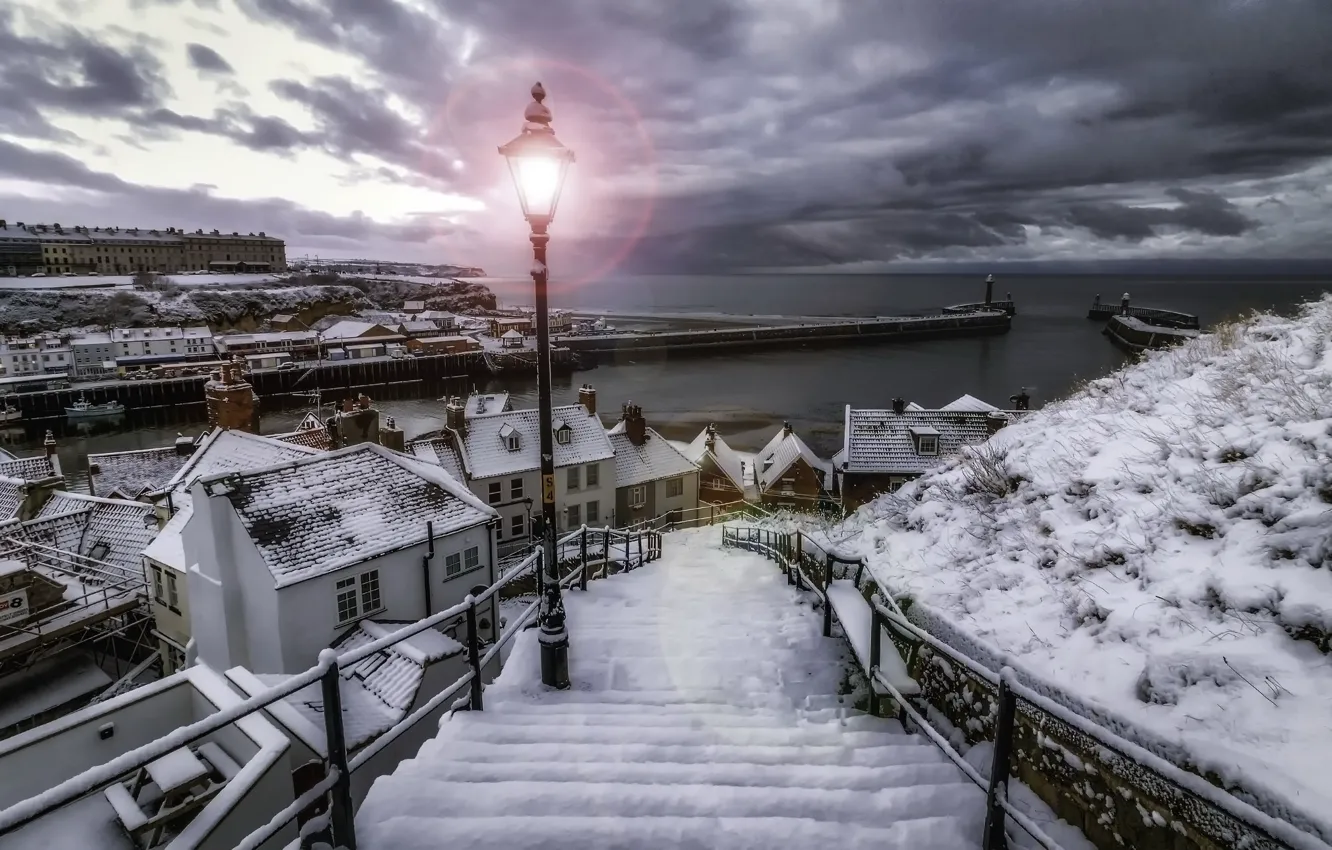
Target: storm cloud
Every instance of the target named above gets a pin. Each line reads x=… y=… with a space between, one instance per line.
x=738 y=133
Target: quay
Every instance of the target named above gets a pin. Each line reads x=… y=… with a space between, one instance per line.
x=859 y=331
x=1135 y=335
x=1151 y=315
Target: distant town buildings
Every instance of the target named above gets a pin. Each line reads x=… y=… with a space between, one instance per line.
x=51 y=249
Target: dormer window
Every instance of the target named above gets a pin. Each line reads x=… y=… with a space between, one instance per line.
x=563 y=433
x=509 y=436
x=926 y=440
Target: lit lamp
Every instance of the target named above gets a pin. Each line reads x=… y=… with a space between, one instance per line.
x=539 y=163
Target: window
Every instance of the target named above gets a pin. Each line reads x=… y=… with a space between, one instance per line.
x=638 y=496
x=593 y=512
x=358 y=596
x=517 y=527
x=157 y=585
x=452 y=565
x=516 y=488
x=564 y=436
x=573 y=516
x=674 y=487
x=496 y=492
x=471 y=558
x=593 y=475
x=172 y=599
x=573 y=477
x=929 y=445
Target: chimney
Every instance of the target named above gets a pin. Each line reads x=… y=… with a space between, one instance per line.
x=587 y=397
x=184 y=445
x=994 y=420
x=49 y=444
x=334 y=436
x=391 y=436
x=989 y=288
x=455 y=415
x=348 y=405
x=358 y=423
x=786 y=429
x=710 y=441
x=899 y=405
x=635 y=426
x=1021 y=401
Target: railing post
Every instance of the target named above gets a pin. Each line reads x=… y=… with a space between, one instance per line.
x=876 y=655
x=640 y=548
x=605 y=553
x=474 y=655
x=582 y=579
x=999 y=768
x=541 y=572
x=340 y=801
x=791 y=573
x=827 y=603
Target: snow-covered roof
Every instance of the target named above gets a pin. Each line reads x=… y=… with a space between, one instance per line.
x=11 y=497
x=348 y=329
x=6 y=454
x=875 y=440
x=225 y=450
x=28 y=468
x=377 y=691
x=417 y=327
x=482 y=403
x=652 y=461
x=311 y=433
x=511 y=335
x=133 y=473
x=168 y=547
x=438 y=451
x=784 y=449
x=485 y=452
x=321 y=513
x=968 y=402
x=113 y=531
x=722 y=454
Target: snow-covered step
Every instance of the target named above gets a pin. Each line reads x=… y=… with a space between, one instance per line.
x=606 y=799
x=704 y=712
x=828 y=777
x=514 y=832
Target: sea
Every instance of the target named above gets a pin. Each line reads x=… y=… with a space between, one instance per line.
x=1051 y=348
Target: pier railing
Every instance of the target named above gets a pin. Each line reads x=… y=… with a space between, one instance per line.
x=1026 y=721
x=337 y=826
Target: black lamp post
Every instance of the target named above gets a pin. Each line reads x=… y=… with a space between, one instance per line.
x=538 y=163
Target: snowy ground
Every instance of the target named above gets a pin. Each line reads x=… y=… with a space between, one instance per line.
x=703 y=712
x=1159 y=543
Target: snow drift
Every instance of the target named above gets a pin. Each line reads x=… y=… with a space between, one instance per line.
x=1159 y=544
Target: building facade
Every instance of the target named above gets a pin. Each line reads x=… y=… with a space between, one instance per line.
x=53 y=249
x=20 y=251
x=721 y=472
x=653 y=479
x=789 y=475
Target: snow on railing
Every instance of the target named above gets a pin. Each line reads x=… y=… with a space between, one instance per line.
x=792 y=552
x=327 y=671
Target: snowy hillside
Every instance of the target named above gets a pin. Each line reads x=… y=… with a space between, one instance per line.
x=1159 y=543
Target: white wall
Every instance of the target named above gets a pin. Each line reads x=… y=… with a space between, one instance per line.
x=687 y=500
x=531 y=479
x=603 y=494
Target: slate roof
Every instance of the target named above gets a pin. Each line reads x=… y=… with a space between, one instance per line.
x=652 y=461
x=347 y=330
x=722 y=454
x=11 y=497
x=318 y=514
x=229 y=451
x=479 y=404
x=772 y=462
x=133 y=473
x=438 y=451
x=484 y=453
x=28 y=468
x=78 y=523
x=6 y=454
x=969 y=402
x=880 y=440
x=311 y=433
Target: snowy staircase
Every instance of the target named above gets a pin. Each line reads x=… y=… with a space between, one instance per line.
x=703 y=714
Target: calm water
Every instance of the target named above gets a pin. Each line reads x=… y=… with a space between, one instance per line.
x=1050 y=348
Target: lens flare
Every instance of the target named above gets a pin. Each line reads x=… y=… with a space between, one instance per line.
x=539 y=179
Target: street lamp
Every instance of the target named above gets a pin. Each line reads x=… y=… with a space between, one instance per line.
x=538 y=164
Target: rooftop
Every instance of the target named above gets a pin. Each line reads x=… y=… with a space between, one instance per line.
x=133 y=473
x=112 y=531
x=881 y=441
x=652 y=461
x=784 y=449
x=11 y=497
x=485 y=453
x=722 y=454
x=438 y=451
x=483 y=403
x=348 y=329
x=317 y=514
x=28 y=468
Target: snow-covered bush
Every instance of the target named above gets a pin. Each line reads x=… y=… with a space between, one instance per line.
x=1160 y=543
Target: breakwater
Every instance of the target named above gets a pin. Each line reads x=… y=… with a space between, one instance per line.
x=858 y=331
x=1152 y=315
x=1136 y=335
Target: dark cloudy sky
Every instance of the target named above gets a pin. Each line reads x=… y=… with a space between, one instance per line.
x=710 y=133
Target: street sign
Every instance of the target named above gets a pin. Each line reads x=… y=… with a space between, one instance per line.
x=14 y=605
x=548 y=489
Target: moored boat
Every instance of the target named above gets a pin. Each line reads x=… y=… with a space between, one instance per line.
x=84 y=409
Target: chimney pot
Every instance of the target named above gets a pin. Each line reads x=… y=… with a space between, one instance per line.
x=587 y=397
x=49 y=443
x=899 y=405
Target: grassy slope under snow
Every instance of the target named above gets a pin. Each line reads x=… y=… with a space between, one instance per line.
x=1160 y=543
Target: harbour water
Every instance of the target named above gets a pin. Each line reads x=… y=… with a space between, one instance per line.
x=1051 y=348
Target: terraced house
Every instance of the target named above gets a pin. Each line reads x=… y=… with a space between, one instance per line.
x=53 y=249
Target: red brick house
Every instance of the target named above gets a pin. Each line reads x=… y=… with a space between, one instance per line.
x=721 y=477
x=789 y=475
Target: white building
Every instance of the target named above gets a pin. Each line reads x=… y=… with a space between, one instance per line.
x=652 y=477
x=284 y=561
x=94 y=355
x=147 y=345
x=47 y=354
x=222 y=451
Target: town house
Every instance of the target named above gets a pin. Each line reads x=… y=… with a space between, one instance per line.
x=652 y=477
x=721 y=472
x=789 y=475
x=283 y=561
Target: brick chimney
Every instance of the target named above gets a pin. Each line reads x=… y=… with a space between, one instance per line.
x=232 y=402
x=899 y=405
x=391 y=436
x=710 y=441
x=185 y=446
x=455 y=415
x=994 y=420
x=635 y=426
x=786 y=429
x=49 y=444
x=358 y=422
x=587 y=397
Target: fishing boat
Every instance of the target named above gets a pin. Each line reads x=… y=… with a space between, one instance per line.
x=10 y=415
x=84 y=409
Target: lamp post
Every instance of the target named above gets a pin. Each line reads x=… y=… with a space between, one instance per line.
x=538 y=163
